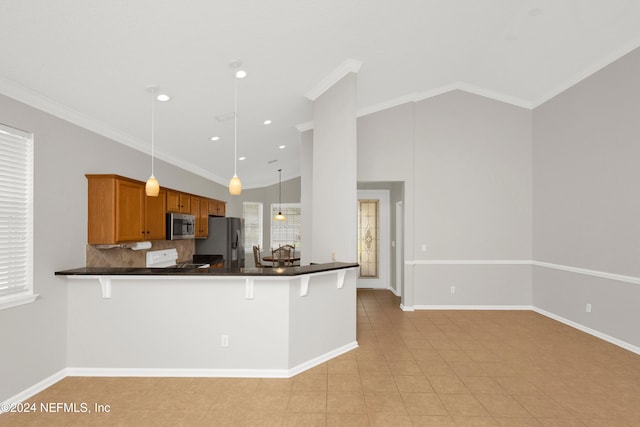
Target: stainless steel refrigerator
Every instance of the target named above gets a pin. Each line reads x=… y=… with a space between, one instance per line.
x=226 y=238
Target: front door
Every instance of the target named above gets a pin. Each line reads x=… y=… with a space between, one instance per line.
x=373 y=239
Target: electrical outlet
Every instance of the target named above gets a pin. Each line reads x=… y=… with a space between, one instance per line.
x=424 y=247
x=588 y=308
x=453 y=290
x=224 y=340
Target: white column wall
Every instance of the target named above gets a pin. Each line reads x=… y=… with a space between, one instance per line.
x=334 y=195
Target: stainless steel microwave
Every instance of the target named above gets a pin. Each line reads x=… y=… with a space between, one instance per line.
x=181 y=226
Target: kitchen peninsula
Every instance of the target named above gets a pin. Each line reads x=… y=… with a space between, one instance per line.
x=249 y=322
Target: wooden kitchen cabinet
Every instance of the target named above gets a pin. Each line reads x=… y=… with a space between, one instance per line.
x=178 y=202
x=119 y=211
x=217 y=207
x=200 y=209
x=156 y=216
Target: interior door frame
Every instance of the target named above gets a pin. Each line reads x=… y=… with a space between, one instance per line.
x=384 y=278
x=399 y=243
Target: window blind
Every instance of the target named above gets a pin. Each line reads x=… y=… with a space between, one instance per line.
x=286 y=232
x=252 y=214
x=16 y=213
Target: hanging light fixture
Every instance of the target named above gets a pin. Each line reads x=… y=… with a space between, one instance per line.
x=235 y=186
x=152 y=188
x=280 y=217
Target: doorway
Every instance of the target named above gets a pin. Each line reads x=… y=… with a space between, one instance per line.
x=373 y=239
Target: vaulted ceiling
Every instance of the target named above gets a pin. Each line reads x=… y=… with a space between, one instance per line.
x=89 y=61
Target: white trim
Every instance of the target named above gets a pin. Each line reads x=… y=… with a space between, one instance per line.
x=595 y=273
x=393 y=291
x=172 y=372
x=602 y=274
x=587 y=72
x=472 y=307
x=303 y=127
x=304 y=285
x=211 y=373
x=385 y=105
x=41 y=102
x=588 y=330
x=34 y=389
x=348 y=66
x=406 y=308
x=469 y=262
x=475 y=90
x=17 y=300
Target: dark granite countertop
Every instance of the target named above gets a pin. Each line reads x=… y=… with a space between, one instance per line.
x=268 y=271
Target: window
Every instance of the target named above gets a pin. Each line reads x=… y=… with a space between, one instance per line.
x=286 y=232
x=252 y=214
x=368 y=240
x=16 y=217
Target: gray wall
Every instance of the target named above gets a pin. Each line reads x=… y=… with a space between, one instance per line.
x=34 y=345
x=385 y=154
x=586 y=198
x=465 y=162
x=334 y=174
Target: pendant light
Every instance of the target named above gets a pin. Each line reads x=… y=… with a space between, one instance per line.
x=235 y=186
x=280 y=217
x=152 y=188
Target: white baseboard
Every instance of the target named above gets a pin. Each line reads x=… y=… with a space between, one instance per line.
x=34 y=389
x=321 y=359
x=472 y=307
x=586 y=329
x=407 y=308
x=211 y=373
x=159 y=372
x=393 y=291
x=580 y=327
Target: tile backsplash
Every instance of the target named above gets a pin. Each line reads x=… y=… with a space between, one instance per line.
x=123 y=257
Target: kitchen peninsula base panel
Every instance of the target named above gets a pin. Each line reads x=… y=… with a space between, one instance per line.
x=234 y=326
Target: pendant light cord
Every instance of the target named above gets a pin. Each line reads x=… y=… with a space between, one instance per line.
x=280 y=190
x=235 y=126
x=152 y=131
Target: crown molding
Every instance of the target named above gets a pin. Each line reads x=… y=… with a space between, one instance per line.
x=303 y=127
x=476 y=90
x=587 y=72
x=41 y=102
x=381 y=106
x=348 y=66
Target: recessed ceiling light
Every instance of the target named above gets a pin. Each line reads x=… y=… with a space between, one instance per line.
x=215 y=138
x=267 y=122
x=282 y=146
x=226 y=116
x=241 y=158
x=241 y=74
x=163 y=97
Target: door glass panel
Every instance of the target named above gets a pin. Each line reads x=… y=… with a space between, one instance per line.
x=368 y=238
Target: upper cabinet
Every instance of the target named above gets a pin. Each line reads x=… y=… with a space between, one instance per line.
x=178 y=202
x=120 y=211
x=217 y=207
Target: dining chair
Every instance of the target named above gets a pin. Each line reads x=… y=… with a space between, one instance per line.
x=281 y=256
x=292 y=252
x=256 y=256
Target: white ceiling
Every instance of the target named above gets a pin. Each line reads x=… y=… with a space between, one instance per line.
x=89 y=61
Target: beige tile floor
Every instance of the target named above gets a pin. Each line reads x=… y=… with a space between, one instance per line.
x=424 y=368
